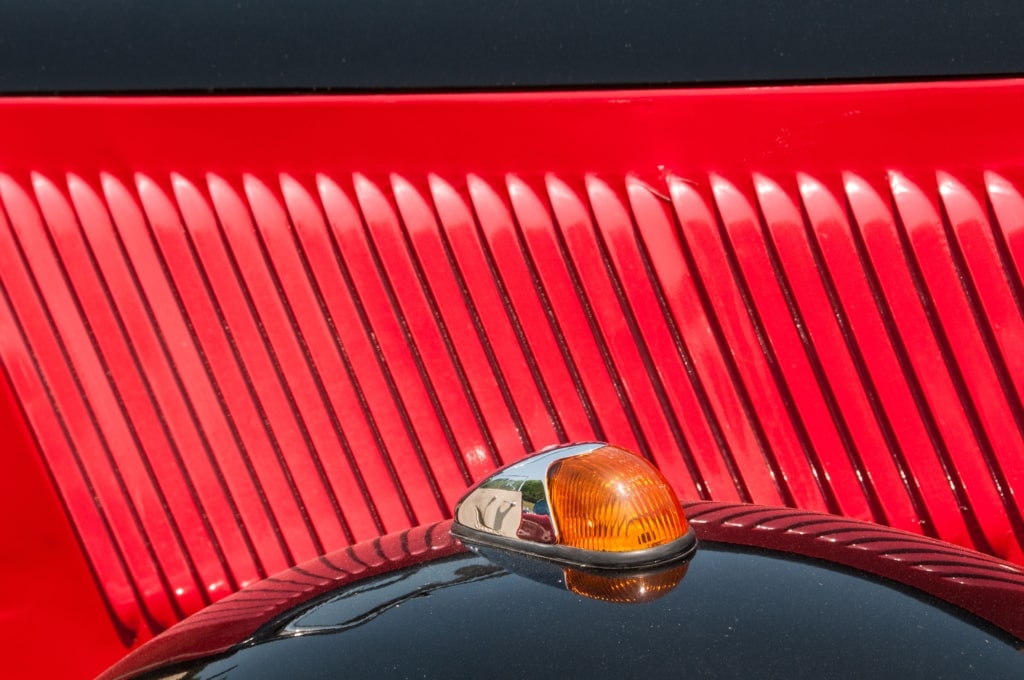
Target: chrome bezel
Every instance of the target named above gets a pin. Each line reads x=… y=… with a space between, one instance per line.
x=666 y=554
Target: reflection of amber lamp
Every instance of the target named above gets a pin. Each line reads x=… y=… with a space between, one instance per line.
x=624 y=589
x=592 y=506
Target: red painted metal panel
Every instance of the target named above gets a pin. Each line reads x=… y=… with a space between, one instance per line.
x=247 y=331
x=920 y=340
x=878 y=359
x=48 y=583
x=499 y=327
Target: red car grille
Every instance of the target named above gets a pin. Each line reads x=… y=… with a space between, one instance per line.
x=230 y=373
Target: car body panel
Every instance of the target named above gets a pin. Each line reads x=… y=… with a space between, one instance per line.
x=238 y=332
x=734 y=611
x=244 y=331
x=792 y=593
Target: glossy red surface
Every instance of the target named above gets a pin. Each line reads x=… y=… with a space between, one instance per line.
x=47 y=585
x=242 y=332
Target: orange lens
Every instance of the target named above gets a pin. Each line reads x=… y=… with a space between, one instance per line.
x=614 y=501
x=624 y=589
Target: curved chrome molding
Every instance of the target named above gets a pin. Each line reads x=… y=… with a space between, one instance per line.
x=678 y=550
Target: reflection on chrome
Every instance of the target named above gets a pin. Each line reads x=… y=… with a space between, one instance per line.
x=513 y=502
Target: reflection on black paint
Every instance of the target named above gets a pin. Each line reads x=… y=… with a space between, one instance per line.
x=737 y=614
x=364 y=602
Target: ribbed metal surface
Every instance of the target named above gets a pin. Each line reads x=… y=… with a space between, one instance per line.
x=231 y=375
x=979 y=583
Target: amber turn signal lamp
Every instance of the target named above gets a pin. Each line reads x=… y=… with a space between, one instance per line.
x=613 y=500
x=590 y=505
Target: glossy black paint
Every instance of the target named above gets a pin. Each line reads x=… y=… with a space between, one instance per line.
x=49 y=46
x=738 y=613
